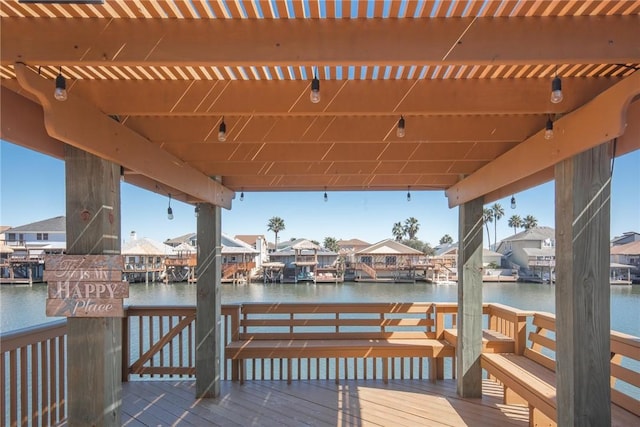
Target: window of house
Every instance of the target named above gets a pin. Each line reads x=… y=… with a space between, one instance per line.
x=42 y=236
x=366 y=260
x=11 y=237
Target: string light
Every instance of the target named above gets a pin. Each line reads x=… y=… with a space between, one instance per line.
x=169 y=210
x=222 y=131
x=326 y=197
x=513 y=202
x=400 y=129
x=61 y=87
x=242 y=196
x=314 y=96
x=408 y=194
x=548 y=129
x=556 y=90
x=196 y=211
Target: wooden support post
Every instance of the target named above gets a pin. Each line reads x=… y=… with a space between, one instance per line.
x=583 y=191
x=208 y=308
x=469 y=371
x=93 y=344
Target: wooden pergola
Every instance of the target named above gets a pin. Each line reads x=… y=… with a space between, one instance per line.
x=149 y=83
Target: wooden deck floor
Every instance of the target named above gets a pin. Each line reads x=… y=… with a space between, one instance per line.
x=316 y=403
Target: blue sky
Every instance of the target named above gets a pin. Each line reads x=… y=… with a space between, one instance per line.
x=32 y=189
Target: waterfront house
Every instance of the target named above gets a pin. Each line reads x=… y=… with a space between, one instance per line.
x=533 y=251
x=388 y=260
x=238 y=260
x=301 y=260
x=189 y=239
x=29 y=244
x=143 y=259
x=257 y=242
x=442 y=266
x=627 y=237
x=626 y=258
x=349 y=248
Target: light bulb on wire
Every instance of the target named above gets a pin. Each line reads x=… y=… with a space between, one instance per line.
x=408 y=194
x=513 y=202
x=556 y=90
x=222 y=131
x=169 y=210
x=400 y=129
x=314 y=96
x=548 y=129
x=61 y=87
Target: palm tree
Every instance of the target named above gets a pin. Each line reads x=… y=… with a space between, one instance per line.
x=487 y=217
x=498 y=212
x=530 y=221
x=275 y=224
x=446 y=239
x=332 y=244
x=398 y=231
x=515 y=222
x=411 y=227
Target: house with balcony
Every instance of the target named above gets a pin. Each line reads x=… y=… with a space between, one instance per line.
x=257 y=242
x=301 y=260
x=144 y=259
x=388 y=261
x=25 y=248
x=238 y=260
x=625 y=262
x=532 y=252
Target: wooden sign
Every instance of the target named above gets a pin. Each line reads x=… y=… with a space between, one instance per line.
x=85 y=285
x=108 y=290
x=85 y=307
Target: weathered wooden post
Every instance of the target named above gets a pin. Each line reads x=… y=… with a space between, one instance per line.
x=93 y=344
x=583 y=191
x=469 y=371
x=208 y=307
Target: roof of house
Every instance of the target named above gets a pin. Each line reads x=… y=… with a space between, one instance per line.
x=3 y=228
x=445 y=248
x=56 y=224
x=184 y=248
x=144 y=246
x=180 y=239
x=537 y=233
x=391 y=247
x=539 y=251
x=626 y=235
x=632 y=248
x=250 y=239
x=235 y=246
x=300 y=243
x=352 y=242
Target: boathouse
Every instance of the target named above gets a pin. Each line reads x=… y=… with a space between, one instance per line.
x=197 y=100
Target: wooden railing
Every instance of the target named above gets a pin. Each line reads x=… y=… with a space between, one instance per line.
x=159 y=341
x=33 y=379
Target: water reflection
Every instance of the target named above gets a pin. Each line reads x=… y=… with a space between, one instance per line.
x=22 y=306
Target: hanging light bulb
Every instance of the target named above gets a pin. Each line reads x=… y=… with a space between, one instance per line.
x=196 y=211
x=408 y=194
x=513 y=202
x=556 y=90
x=314 y=96
x=169 y=210
x=400 y=128
x=121 y=173
x=326 y=197
x=242 y=196
x=548 y=129
x=61 y=87
x=222 y=131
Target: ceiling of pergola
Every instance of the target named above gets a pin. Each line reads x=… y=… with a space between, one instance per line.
x=471 y=78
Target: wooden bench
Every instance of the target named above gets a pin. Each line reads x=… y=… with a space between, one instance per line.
x=505 y=330
x=335 y=331
x=530 y=378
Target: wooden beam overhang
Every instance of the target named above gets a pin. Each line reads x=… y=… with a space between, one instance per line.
x=602 y=119
x=80 y=124
x=341 y=97
x=185 y=42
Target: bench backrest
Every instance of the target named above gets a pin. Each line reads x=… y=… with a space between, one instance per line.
x=336 y=321
x=625 y=350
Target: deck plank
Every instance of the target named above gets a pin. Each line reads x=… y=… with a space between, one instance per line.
x=316 y=403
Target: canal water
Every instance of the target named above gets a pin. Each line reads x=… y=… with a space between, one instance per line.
x=22 y=306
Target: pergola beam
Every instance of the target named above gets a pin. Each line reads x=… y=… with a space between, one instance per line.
x=340 y=97
x=602 y=119
x=438 y=41
x=80 y=124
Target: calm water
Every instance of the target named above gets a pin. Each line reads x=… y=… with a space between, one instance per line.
x=22 y=306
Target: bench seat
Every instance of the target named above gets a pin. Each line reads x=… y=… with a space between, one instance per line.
x=537 y=385
x=305 y=348
x=492 y=341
